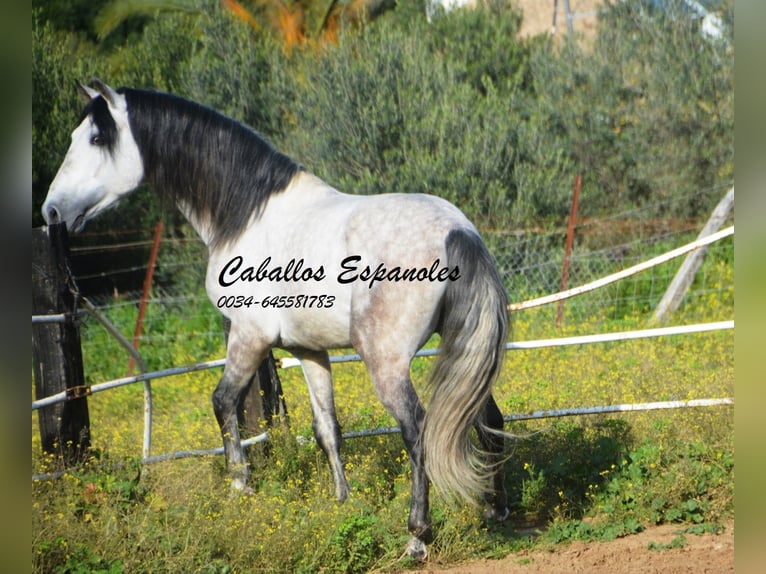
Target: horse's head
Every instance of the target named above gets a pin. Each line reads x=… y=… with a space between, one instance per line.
x=102 y=165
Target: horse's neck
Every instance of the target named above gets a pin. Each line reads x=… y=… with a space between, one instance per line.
x=305 y=190
x=200 y=224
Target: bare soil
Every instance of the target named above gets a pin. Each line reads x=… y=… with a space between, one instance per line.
x=635 y=554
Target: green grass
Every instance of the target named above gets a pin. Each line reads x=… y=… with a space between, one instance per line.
x=596 y=477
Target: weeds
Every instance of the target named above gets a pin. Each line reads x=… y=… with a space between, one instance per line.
x=677 y=542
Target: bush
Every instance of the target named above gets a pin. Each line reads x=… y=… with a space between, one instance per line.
x=481 y=44
x=394 y=110
x=646 y=113
x=230 y=71
x=462 y=109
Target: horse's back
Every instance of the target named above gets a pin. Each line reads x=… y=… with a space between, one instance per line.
x=383 y=261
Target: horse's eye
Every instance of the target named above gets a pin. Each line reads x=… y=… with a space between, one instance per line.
x=96 y=140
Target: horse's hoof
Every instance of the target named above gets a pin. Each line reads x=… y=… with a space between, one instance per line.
x=417 y=550
x=239 y=488
x=497 y=515
x=342 y=493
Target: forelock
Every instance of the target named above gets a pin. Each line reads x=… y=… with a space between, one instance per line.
x=98 y=110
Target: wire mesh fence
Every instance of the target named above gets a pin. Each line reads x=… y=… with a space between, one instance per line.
x=532 y=266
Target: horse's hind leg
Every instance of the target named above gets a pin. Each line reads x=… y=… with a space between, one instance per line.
x=242 y=359
x=494 y=445
x=394 y=387
x=316 y=369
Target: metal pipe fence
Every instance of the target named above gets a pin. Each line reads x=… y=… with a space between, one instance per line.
x=289 y=362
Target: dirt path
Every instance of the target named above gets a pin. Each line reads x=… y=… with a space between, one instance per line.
x=700 y=554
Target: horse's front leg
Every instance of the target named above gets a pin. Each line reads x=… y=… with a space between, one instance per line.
x=242 y=360
x=316 y=369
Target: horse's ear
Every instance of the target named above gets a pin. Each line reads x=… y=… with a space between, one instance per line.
x=111 y=97
x=86 y=93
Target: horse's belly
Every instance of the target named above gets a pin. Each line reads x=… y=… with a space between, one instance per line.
x=315 y=330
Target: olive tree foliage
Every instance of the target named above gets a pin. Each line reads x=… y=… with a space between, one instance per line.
x=645 y=112
x=230 y=70
x=464 y=109
x=406 y=109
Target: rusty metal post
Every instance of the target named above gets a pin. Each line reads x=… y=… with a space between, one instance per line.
x=568 y=247
x=146 y=291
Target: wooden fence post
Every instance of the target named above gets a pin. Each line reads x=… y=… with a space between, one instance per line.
x=56 y=351
x=684 y=277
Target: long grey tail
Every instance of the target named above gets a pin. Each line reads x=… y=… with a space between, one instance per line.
x=474 y=329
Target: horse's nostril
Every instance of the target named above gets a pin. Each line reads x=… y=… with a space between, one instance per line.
x=52 y=215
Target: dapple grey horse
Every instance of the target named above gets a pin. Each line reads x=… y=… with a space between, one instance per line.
x=296 y=264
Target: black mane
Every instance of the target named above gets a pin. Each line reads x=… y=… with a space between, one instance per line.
x=107 y=128
x=221 y=169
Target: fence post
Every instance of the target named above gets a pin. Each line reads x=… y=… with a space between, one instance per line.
x=568 y=246
x=56 y=351
x=146 y=292
x=570 y=19
x=684 y=277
